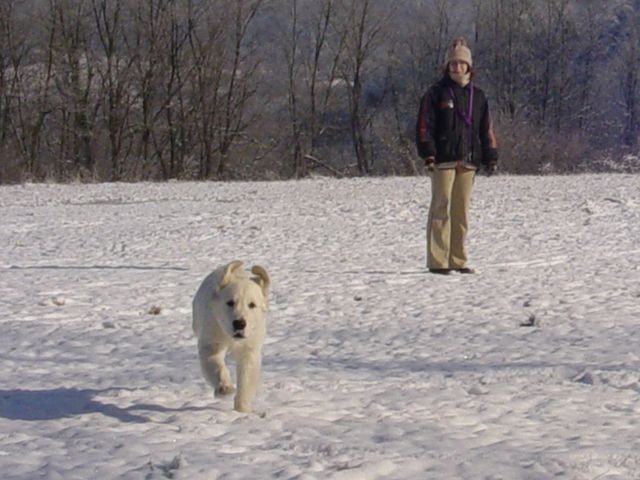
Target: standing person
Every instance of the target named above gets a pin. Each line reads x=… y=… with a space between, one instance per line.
x=454 y=135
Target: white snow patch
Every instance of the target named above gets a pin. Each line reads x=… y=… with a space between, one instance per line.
x=373 y=369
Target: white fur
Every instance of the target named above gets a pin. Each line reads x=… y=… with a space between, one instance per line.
x=226 y=295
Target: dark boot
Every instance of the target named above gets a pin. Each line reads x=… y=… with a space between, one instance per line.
x=440 y=271
x=465 y=270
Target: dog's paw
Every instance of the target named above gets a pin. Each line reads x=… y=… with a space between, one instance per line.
x=224 y=390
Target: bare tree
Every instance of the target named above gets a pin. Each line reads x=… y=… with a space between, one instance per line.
x=114 y=72
x=362 y=27
x=146 y=45
x=123 y=89
x=554 y=81
x=237 y=85
x=176 y=76
x=630 y=79
x=589 y=32
x=27 y=90
x=312 y=70
x=427 y=39
x=502 y=29
x=222 y=84
x=208 y=55
x=322 y=71
x=6 y=27
x=74 y=78
x=291 y=56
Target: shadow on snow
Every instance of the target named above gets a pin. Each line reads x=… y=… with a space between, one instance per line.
x=96 y=267
x=34 y=405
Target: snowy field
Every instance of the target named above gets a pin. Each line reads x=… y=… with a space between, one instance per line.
x=373 y=369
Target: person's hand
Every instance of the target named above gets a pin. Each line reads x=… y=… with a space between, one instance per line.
x=429 y=163
x=491 y=168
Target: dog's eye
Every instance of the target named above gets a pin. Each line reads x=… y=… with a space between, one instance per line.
x=252 y=305
x=231 y=303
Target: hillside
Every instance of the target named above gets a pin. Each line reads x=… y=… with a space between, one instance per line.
x=373 y=369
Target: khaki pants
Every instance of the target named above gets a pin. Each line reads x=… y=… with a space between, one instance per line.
x=448 y=217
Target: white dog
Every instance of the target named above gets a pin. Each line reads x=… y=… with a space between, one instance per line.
x=229 y=316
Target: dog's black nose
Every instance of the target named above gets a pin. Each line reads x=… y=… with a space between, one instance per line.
x=239 y=324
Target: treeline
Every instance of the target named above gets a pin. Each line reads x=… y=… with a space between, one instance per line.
x=125 y=90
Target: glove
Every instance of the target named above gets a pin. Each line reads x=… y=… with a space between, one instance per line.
x=429 y=163
x=491 y=168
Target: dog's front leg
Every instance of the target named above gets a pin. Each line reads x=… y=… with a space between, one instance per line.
x=249 y=364
x=214 y=369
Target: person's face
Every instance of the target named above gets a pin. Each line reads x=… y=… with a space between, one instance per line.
x=458 y=67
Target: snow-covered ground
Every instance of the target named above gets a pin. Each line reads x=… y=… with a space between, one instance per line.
x=373 y=369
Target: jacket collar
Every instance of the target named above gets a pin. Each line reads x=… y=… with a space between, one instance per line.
x=447 y=82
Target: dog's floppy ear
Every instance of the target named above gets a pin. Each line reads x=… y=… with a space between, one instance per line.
x=262 y=279
x=229 y=272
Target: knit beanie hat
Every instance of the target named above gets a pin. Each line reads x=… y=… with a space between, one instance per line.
x=460 y=52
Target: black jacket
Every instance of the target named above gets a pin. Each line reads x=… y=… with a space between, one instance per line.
x=441 y=130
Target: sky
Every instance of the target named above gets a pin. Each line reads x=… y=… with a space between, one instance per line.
x=372 y=368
